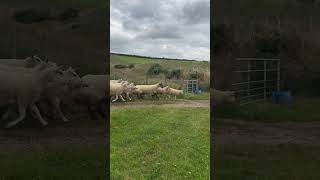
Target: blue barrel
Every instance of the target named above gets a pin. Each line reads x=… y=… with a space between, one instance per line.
x=282 y=97
x=275 y=97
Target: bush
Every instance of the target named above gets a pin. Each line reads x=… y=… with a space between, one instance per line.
x=28 y=16
x=131 y=66
x=120 y=66
x=155 y=69
x=224 y=38
x=69 y=13
x=197 y=75
x=176 y=73
x=268 y=43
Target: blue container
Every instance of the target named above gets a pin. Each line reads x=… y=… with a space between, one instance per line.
x=275 y=97
x=282 y=97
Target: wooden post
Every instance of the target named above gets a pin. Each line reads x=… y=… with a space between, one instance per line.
x=146 y=78
x=278 y=75
x=279 y=24
x=310 y=24
x=248 y=77
x=14 y=51
x=265 y=80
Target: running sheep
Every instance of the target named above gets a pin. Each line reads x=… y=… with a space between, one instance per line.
x=221 y=97
x=175 y=92
x=24 y=89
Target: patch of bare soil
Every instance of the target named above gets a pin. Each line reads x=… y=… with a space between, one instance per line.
x=240 y=132
x=29 y=135
x=179 y=103
x=40 y=139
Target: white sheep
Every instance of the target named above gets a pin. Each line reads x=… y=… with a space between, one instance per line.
x=24 y=89
x=175 y=92
x=28 y=62
x=220 y=97
x=148 y=89
x=55 y=92
x=117 y=89
x=163 y=91
x=94 y=95
x=130 y=89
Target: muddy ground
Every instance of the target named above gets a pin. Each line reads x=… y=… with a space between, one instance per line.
x=241 y=132
x=228 y=131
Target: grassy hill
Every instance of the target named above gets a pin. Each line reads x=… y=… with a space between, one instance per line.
x=79 y=42
x=142 y=64
x=286 y=29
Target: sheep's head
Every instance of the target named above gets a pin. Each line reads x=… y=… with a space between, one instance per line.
x=126 y=83
x=159 y=84
x=31 y=62
x=73 y=79
x=52 y=73
x=166 y=89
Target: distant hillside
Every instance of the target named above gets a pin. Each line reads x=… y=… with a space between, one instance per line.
x=148 y=57
x=142 y=64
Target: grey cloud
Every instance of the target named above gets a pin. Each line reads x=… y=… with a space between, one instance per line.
x=159 y=31
x=196 y=12
x=166 y=28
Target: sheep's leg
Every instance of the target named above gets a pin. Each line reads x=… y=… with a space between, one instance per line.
x=56 y=104
x=22 y=115
x=128 y=97
x=7 y=113
x=175 y=97
x=122 y=98
x=36 y=111
x=116 y=98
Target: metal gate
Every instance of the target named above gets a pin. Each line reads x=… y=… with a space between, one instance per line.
x=255 y=79
x=191 y=86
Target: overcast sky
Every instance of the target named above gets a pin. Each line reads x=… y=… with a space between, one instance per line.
x=161 y=28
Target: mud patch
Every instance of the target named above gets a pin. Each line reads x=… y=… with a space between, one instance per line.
x=240 y=132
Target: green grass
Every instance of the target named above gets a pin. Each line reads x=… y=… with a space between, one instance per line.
x=189 y=96
x=133 y=60
x=266 y=162
x=160 y=143
x=302 y=110
x=75 y=162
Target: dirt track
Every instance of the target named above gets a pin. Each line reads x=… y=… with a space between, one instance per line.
x=162 y=103
x=33 y=139
x=229 y=132
x=240 y=132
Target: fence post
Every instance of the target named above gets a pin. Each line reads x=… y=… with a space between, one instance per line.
x=265 y=79
x=14 y=41
x=248 y=78
x=278 y=76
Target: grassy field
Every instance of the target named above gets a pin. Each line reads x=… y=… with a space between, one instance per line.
x=266 y=162
x=203 y=96
x=302 y=110
x=160 y=143
x=142 y=64
x=72 y=162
